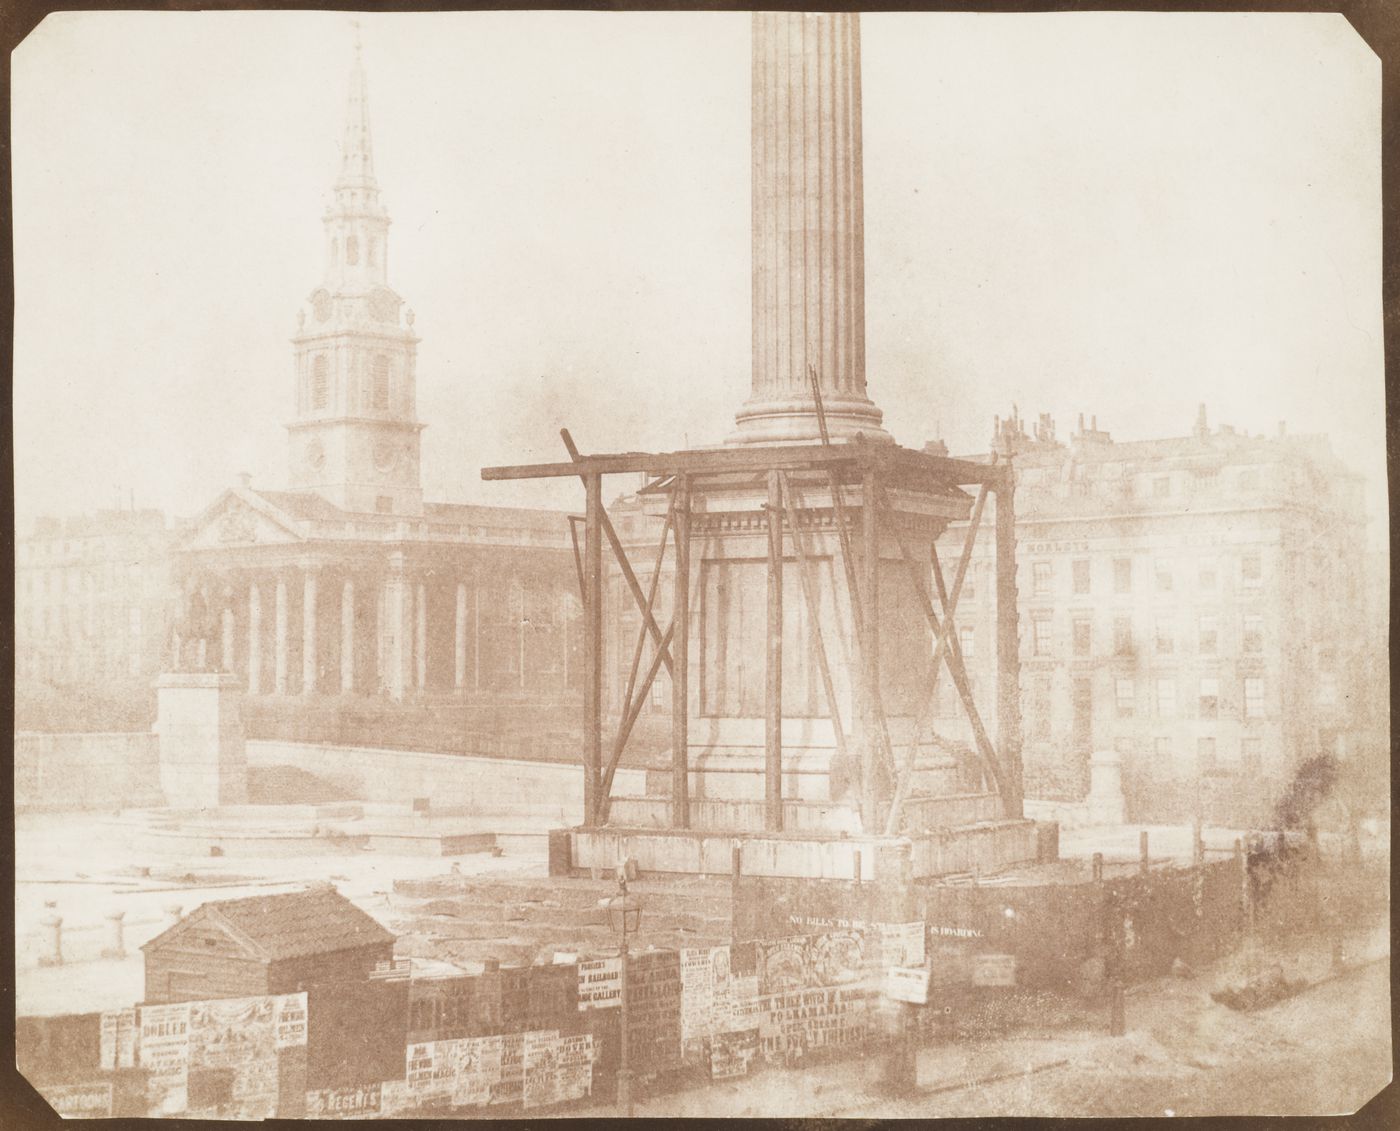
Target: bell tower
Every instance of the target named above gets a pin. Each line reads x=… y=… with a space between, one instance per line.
x=355 y=439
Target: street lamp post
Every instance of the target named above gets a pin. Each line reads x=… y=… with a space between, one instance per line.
x=625 y=917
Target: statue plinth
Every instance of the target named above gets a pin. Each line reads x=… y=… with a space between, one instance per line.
x=199 y=723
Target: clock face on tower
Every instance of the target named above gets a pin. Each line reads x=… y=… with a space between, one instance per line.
x=315 y=455
x=383 y=306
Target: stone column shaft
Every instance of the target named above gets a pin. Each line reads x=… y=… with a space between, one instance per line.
x=420 y=639
x=347 y=637
x=309 y=657
x=254 y=639
x=279 y=655
x=808 y=230
x=459 y=678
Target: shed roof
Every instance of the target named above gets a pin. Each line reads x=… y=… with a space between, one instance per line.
x=291 y=924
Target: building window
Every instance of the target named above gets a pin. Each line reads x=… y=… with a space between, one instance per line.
x=1122 y=575
x=1166 y=639
x=1251 y=761
x=967 y=641
x=1083 y=636
x=370 y=251
x=1164 y=575
x=1041 y=642
x=1166 y=698
x=1251 y=572
x=1208 y=638
x=1041 y=579
x=1252 y=639
x=1123 y=697
x=1254 y=697
x=380 y=367
x=320 y=382
x=1206 y=571
x=1205 y=754
x=384 y=504
x=1122 y=636
x=1081 y=576
x=1210 y=697
x=352 y=250
x=1161 y=487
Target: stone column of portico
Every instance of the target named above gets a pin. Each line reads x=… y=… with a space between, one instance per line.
x=347 y=637
x=459 y=649
x=808 y=231
x=279 y=652
x=254 y=639
x=308 y=631
x=396 y=627
x=226 y=631
x=420 y=638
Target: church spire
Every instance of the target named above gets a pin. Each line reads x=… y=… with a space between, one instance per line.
x=357 y=150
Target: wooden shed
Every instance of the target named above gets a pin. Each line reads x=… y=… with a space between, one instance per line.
x=267 y=944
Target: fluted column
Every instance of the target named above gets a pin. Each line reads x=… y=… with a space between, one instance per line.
x=254 y=639
x=808 y=231
x=279 y=652
x=309 y=657
x=459 y=650
x=347 y=637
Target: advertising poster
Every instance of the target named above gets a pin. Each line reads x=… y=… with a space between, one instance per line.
x=164 y=1052
x=575 y=1066
x=836 y=958
x=80 y=1101
x=794 y=1024
x=541 y=1068
x=600 y=983
x=395 y=1099
x=510 y=1088
x=731 y=1054
x=289 y=1019
x=433 y=1068
x=654 y=1011
x=901 y=944
x=240 y=1036
x=783 y=965
x=745 y=1002
x=479 y=1073
x=698 y=985
x=344 y=1103
x=117 y=1039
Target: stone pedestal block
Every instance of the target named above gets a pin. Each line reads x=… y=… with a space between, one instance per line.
x=199 y=723
x=1105 y=801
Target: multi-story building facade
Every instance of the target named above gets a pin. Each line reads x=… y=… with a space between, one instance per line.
x=92 y=600
x=1197 y=603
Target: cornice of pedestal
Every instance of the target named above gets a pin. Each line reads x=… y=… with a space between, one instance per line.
x=793 y=420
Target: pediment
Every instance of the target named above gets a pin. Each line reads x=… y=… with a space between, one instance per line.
x=237 y=520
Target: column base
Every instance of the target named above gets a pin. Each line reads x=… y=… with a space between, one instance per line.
x=793 y=420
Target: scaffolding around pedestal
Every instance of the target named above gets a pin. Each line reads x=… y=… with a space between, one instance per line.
x=853 y=628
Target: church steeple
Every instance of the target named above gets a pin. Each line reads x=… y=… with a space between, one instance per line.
x=357 y=150
x=355 y=439
x=357 y=225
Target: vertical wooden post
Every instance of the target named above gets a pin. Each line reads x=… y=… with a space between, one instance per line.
x=1008 y=646
x=870 y=646
x=773 y=699
x=680 y=675
x=1145 y=863
x=592 y=645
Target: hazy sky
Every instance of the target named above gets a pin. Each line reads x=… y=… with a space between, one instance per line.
x=1120 y=214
